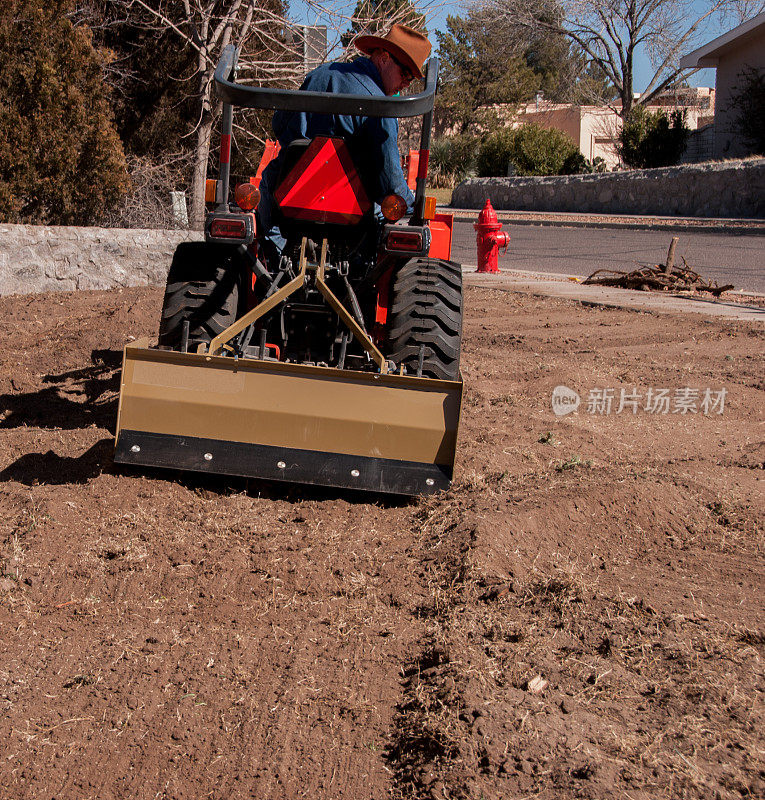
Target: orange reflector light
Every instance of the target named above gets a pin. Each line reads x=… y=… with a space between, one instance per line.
x=246 y=196
x=229 y=228
x=429 y=211
x=393 y=207
x=211 y=190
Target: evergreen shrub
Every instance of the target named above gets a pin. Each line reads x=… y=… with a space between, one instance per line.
x=527 y=150
x=651 y=139
x=61 y=160
x=452 y=159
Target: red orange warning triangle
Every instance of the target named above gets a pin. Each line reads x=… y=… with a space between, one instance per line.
x=323 y=186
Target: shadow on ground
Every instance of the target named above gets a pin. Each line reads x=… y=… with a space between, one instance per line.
x=51 y=468
x=76 y=399
x=293 y=493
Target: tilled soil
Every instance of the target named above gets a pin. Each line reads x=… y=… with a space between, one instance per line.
x=580 y=616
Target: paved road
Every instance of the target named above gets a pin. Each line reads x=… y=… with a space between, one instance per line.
x=726 y=258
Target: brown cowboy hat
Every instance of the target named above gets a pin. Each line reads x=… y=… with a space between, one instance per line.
x=405 y=44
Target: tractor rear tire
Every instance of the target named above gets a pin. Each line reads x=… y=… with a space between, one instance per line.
x=203 y=288
x=425 y=318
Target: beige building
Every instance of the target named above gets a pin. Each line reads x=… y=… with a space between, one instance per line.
x=595 y=129
x=730 y=53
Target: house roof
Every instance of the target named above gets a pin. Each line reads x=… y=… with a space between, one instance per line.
x=709 y=54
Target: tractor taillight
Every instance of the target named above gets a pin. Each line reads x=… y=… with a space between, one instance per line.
x=393 y=207
x=410 y=241
x=235 y=227
x=406 y=239
x=228 y=229
x=247 y=196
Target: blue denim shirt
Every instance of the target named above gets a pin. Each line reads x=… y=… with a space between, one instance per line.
x=372 y=141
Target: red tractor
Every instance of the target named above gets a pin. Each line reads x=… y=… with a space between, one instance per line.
x=334 y=362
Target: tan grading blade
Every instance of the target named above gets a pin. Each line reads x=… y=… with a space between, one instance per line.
x=267 y=419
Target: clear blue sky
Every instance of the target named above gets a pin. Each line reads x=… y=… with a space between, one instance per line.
x=643 y=71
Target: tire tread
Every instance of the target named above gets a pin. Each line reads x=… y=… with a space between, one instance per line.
x=202 y=287
x=426 y=309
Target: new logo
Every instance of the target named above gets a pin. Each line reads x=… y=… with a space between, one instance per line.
x=564 y=400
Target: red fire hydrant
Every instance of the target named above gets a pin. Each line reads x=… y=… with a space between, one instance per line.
x=489 y=238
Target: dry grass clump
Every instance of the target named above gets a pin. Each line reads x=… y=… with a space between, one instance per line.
x=427 y=719
x=749 y=635
x=559 y=589
x=740 y=528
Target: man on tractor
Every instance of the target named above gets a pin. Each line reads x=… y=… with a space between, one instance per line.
x=390 y=64
x=338 y=365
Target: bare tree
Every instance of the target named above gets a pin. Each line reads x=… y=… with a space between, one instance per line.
x=206 y=27
x=270 y=54
x=369 y=16
x=610 y=32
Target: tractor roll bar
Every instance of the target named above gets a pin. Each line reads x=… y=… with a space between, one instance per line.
x=238 y=94
x=243 y=96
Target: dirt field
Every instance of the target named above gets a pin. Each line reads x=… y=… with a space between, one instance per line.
x=580 y=616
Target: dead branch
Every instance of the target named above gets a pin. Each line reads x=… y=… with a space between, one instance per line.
x=658 y=278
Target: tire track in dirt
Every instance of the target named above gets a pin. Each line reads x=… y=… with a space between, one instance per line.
x=546 y=674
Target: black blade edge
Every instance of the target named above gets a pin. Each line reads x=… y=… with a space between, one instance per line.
x=213 y=456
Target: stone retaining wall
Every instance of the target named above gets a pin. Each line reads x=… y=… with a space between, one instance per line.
x=43 y=259
x=715 y=189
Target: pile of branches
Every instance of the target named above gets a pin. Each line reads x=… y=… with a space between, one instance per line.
x=659 y=277
x=680 y=279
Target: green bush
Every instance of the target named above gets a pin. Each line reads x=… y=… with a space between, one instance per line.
x=527 y=150
x=576 y=164
x=494 y=154
x=652 y=139
x=452 y=159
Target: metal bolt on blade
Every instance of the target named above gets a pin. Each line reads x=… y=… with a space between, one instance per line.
x=208 y=456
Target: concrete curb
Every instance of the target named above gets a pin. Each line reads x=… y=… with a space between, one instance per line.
x=547 y=285
x=739 y=227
